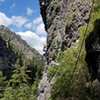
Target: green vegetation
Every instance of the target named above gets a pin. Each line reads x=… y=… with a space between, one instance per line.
x=70 y=83
x=18 y=87
x=21 y=67
x=22 y=92
x=2 y=84
x=71 y=79
x=67 y=82
x=23 y=81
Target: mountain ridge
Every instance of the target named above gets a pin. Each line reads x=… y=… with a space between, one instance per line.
x=13 y=48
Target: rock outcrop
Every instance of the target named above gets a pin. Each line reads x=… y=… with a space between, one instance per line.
x=44 y=87
x=62 y=19
x=12 y=48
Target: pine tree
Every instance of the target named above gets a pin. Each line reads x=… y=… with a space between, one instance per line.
x=19 y=75
x=2 y=84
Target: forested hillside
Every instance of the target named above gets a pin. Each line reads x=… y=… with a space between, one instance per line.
x=20 y=67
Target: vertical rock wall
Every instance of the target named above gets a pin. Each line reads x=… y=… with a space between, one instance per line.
x=63 y=19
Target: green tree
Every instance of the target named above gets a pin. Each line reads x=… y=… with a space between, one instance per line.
x=19 y=75
x=2 y=84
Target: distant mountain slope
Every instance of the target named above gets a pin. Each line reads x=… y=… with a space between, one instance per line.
x=12 y=48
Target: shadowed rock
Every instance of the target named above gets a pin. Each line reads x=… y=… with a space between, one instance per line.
x=93 y=51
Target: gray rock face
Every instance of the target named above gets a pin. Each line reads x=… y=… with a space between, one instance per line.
x=44 y=87
x=62 y=19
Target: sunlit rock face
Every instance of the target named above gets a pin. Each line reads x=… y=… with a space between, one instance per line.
x=63 y=19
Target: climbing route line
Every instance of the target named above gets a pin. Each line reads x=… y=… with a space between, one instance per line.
x=83 y=40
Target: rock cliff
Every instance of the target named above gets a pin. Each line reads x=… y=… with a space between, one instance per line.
x=65 y=22
x=62 y=19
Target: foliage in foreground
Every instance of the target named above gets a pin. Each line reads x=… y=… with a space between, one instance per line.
x=20 y=86
x=74 y=86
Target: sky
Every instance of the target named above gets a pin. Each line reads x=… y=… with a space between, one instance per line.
x=23 y=17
